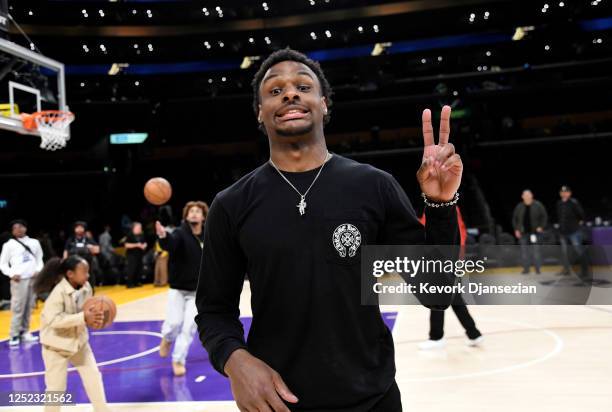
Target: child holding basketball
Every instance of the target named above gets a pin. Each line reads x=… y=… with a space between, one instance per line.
x=63 y=332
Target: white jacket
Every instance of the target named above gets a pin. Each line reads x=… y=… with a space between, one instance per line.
x=17 y=260
x=62 y=321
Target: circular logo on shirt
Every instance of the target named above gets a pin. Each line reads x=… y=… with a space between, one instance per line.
x=346 y=238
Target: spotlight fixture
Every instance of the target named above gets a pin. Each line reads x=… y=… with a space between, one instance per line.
x=379 y=48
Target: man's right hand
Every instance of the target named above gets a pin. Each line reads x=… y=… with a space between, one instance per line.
x=255 y=385
x=517 y=233
x=16 y=278
x=160 y=230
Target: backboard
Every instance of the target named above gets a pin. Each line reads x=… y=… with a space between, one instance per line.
x=29 y=82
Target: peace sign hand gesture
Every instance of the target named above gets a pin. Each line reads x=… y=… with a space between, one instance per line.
x=440 y=173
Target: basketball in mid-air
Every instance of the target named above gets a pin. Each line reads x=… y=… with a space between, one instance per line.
x=157 y=191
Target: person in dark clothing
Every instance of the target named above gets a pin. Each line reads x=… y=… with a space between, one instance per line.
x=296 y=225
x=80 y=244
x=185 y=246
x=135 y=246
x=571 y=215
x=529 y=220
x=436 y=317
x=47 y=245
x=436 y=326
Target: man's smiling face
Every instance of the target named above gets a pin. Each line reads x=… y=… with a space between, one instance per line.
x=291 y=103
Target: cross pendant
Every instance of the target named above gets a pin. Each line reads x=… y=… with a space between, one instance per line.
x=302 y=206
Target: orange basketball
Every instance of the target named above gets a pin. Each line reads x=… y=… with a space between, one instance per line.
x=157 y=191
x=106 y=305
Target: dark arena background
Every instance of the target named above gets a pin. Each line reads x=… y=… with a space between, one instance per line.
x=530 y=85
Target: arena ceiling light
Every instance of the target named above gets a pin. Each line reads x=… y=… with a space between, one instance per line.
x=116 y=68
x=379 y=48
x=521 y=32
x=248 y=61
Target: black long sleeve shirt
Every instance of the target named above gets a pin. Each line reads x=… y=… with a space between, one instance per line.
x=185 y=250
x=308 y=321
x=569 y=213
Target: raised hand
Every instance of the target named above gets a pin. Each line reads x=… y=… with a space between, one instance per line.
x=440 y=173
x=160 y=230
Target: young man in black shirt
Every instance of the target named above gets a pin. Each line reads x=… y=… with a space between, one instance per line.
x=296 y=225
x=184 y=245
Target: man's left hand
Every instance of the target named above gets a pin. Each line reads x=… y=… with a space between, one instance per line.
x=441 y=169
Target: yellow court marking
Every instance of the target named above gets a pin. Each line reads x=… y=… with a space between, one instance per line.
x=118 y=293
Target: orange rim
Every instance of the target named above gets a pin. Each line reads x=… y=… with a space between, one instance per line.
x=49 y=116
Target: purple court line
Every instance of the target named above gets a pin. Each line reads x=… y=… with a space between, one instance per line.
x=132 y=371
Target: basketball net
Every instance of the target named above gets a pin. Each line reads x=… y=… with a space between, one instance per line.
x=52 y=125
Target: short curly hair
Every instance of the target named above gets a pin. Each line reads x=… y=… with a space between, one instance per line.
x=195 y=203
x=289 y=54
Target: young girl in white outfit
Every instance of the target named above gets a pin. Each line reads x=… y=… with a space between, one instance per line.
x=63 y=333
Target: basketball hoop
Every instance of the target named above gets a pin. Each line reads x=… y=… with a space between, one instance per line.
x=52 y=126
